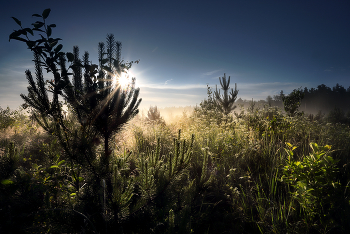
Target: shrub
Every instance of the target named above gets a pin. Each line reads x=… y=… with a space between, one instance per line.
x=153 y=116
x=292 y=102
x=314 y=180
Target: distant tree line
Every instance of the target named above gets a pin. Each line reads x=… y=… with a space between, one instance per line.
x=326 y=99
x=322 y=98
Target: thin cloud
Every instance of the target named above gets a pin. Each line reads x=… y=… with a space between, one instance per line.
x=154 y=49
x=166 y=82
x=210 y=72
x=261 y=90
x=161 y=86
x=270 y=87
x=192 y=94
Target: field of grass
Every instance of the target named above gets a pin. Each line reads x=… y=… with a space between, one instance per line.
x=259 y=172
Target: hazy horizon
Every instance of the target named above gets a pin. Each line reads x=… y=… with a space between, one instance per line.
x=265 y=47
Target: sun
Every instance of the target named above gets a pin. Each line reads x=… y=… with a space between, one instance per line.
x=123 y=80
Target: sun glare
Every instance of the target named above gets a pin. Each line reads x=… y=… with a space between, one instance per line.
x=124 y=80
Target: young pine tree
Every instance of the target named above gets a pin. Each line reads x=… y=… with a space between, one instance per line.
x=153 y=115
x=208 y=110
x=225 y=103
x=97 y=101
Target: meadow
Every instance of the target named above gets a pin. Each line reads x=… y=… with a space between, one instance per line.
x=257 y=172
x=82 y=160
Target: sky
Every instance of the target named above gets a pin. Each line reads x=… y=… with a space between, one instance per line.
x=183 y=46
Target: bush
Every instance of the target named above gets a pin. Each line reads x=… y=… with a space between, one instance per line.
x=7 y=118
x=337 y=115
x=153 y=116
x=315 y=184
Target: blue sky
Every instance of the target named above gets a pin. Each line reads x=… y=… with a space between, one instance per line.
x=264 y=46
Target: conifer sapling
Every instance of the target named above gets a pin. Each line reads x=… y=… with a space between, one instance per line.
x=225 y=103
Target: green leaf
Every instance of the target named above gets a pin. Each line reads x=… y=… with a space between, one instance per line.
x=54 y=166
x=327 y=147
x=73 y=194
x=329 y=159
x=17 y=21
x=14 y=35
x=36 y=29
x=61 y=54
x=30 y=44
x=58 y=48
x=60 y=163
x=6 y=182
x=37 y=15
x=70 y=56
x=23 y=32
x=80 y=179
x=19 y=39
x=38 y=24
x=29 y=30
x=47 y=178
x=52 y=44
x=46 y=13
x=48 y=31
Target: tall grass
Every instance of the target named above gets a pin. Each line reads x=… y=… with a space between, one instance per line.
x=211 y=177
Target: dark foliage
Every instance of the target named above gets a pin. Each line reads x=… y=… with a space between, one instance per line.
x=292 y=102
x=321 y=98
x=217 y=107
x=247 y=178
x=225 y=103
x=7 y=117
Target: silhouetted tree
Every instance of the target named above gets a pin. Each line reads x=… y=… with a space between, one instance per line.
x=292 y=102
x=269 y=100
x=225 y=103
x=279 y=97
x=101 y=107
x=337 y=115
x=208 y=109
x=209 y=104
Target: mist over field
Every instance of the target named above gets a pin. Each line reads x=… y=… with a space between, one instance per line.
x=175 y=117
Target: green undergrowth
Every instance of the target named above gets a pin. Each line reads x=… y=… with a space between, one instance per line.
x=258 y=172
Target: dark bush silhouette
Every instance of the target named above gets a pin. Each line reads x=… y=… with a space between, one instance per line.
x=292 y=102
